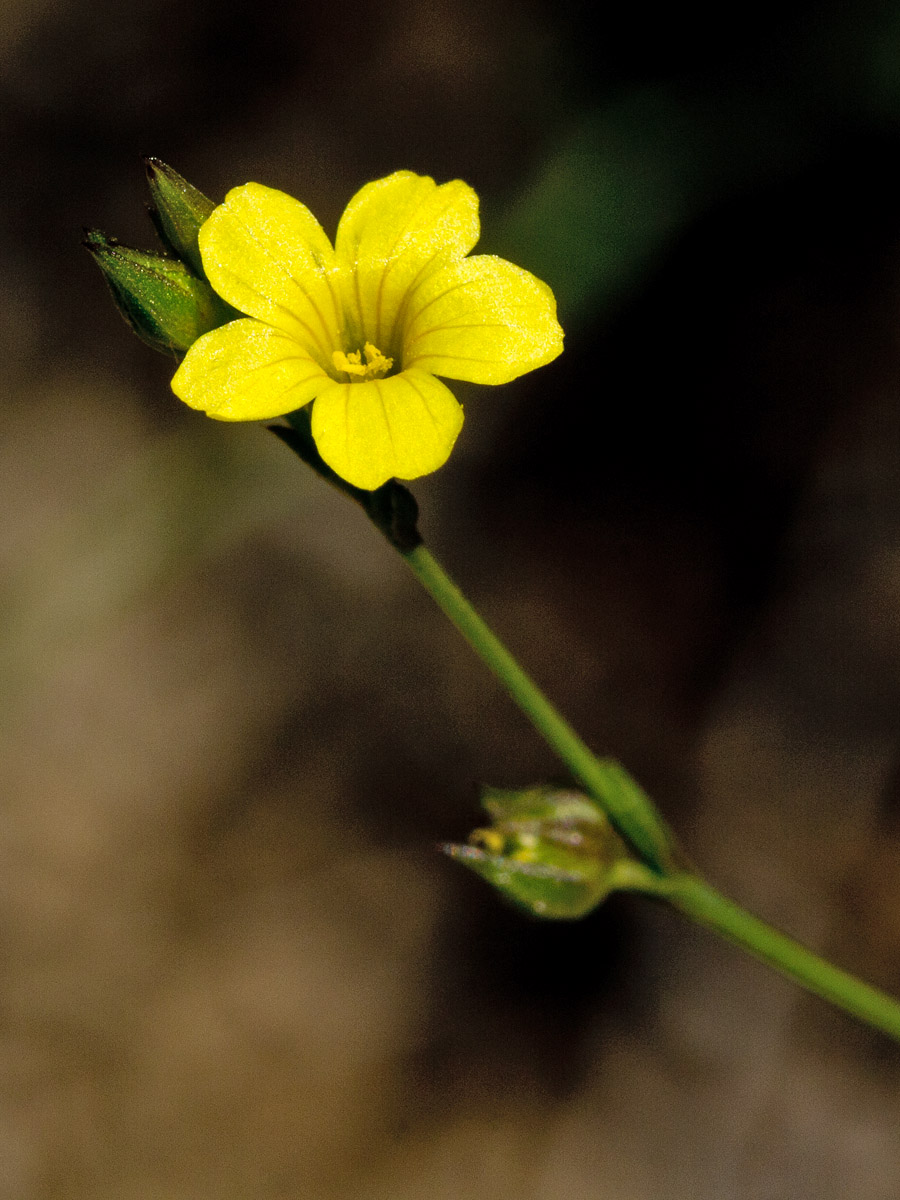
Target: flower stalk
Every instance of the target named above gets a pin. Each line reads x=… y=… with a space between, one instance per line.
x=696 y=899
x=636 y=818
x=629 y=809
x=658 y=868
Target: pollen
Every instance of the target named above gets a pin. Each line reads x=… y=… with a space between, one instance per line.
x=376 y=364
x=490 y=839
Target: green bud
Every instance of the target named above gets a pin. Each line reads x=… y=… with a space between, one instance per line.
x=159 y=297
x=550 y=851
x=178 y=212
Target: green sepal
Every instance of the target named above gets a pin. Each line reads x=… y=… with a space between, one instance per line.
x=550 y=851
x=178 y=211
x=161 y=299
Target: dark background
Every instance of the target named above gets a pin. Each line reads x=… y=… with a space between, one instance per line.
x=233 y=730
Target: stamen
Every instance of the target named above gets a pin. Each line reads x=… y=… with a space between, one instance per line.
x=351 y=363
x=375 y=366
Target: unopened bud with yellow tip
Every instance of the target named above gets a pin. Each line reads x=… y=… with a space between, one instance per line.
x=550 y=851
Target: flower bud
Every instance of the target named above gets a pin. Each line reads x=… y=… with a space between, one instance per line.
x=178 y=211
x=550 y=851
x=159 y=297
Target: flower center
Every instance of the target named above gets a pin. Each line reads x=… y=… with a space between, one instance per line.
x=375 y=366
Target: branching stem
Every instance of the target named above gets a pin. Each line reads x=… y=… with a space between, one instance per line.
x=638 y=821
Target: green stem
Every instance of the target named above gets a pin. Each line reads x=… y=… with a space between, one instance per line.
x=629 y=809
x=636 y=818
x=703 y=904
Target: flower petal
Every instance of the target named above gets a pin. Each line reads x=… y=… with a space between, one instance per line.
x=266 y=254
x=403 y=426
x=391 y=231
x=247 y=371
x=483 y=320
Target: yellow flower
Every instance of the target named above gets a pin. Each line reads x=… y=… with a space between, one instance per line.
x=363 y=327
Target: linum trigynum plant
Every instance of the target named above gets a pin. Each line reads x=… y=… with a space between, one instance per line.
x=348 y=343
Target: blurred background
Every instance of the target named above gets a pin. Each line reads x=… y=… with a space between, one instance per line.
x=233 y=730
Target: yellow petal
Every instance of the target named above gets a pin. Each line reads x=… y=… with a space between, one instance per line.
x=403 y=426
x=391 y=232
x=483 y=320
x=266 y=254
x=247 y=371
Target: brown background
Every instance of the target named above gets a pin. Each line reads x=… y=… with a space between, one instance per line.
x=232 y=964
